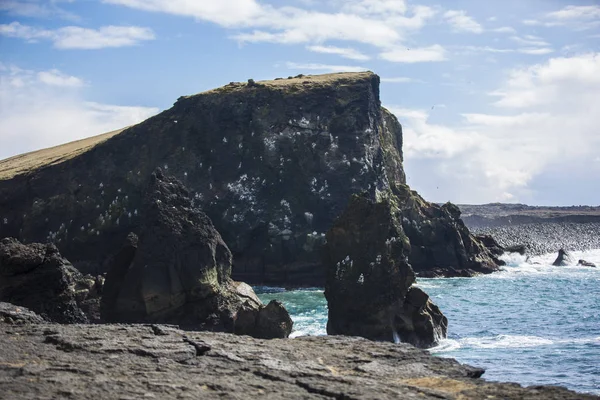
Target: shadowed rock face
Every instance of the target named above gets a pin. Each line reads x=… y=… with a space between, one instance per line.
x=36 y=276
x=158 y=361
x=440 y=243
x=563 y=259
x=272 y=164
x=373 y=252
x=369 y=279
x=178 y=272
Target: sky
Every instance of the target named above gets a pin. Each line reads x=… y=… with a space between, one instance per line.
x=499 y=99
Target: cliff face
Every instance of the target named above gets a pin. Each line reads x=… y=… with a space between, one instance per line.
x=271 y=163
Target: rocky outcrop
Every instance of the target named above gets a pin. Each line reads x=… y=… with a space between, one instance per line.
x=11 y=314
x=491 y=244
x=440 y=243
x=272 y=164
x=563 y=259
x=158 y=361
x=369 y=278
x=36 y=276
x=178 y=272
x=584 y=263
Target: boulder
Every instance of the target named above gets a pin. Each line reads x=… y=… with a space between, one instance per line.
x=369 y=280
x=563 y=259
x=11 y=314
x=584 y=263
x=178 y=271
x=271 y=321
x=517 y=248
x=36 y=276
x=491 y=244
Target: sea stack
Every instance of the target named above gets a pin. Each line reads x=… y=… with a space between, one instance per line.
x=369 y=279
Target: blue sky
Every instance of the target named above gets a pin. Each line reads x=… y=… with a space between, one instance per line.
x=498 y=99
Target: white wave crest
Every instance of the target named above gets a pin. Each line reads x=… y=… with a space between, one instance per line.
x=505 y=341
x=446 y=345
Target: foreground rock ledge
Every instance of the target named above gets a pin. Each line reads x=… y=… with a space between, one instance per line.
x=45 y=361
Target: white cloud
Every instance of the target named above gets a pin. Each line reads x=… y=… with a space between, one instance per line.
x=56 y=78
x=536 y=51
x=74 y=37
x=384 y=24
x=529 y=40
x=461 y=22
x=39 y=109
x=345 y=52
x=313 y=27
x=576 y=12
x=324 y=67
x=576 y=17
x=36 y=8
x=505 y=29
x=400 y=79
x=488 y=49
x=375 y=7
x=414 y=55
x=224 y=12
x=547 y=120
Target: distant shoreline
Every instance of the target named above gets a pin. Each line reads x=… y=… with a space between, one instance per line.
x=541 y=229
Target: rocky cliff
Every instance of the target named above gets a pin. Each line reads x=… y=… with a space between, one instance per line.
x=272 y=163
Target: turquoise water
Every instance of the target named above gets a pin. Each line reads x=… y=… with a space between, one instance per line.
x=532 y=323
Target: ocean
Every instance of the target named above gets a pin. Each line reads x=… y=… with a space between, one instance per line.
x=532 y=323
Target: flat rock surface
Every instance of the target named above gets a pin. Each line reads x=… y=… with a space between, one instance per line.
x=45 y=361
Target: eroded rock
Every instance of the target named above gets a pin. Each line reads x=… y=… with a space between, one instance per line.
x=440 y=243
x=158 y=361
x=37 y=277
x=585 y=263
x=369 y=279
x=563 y=259
x=178 y=271
x=11 y=314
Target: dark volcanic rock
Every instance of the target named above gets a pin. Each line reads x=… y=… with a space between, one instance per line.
x=11 y=314
x=36 y=276
x=491 y=244
x=137 y=361
x=563 y=259
x=584 y=263
x=439 y=240
x=272 y=164
x=517 y=248
x=368 y=287
x=179 y=271
x=271 y=321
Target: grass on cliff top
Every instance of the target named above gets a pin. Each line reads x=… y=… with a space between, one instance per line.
x=298 y=82
x=29 y=162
